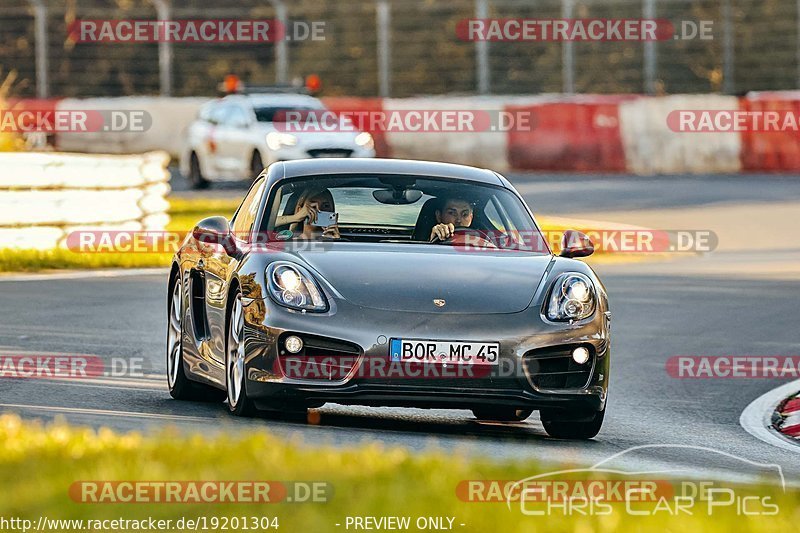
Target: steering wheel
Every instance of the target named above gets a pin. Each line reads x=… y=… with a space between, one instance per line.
x=464 y=236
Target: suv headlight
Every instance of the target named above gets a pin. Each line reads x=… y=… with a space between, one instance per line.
x=572 y=297
x=277 y=139
x=365 y=140
x=293 y=286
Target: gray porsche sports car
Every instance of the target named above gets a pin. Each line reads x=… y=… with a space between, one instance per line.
x=389 y=283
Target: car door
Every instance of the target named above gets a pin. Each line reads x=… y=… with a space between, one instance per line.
x=215 y=131
x=218 y=268
x=235 y=142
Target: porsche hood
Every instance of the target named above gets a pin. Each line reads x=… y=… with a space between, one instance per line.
x=410 y=280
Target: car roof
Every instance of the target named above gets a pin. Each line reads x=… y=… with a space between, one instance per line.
x=311 y=167
x=275 y=99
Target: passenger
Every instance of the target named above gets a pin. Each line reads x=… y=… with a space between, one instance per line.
x=309 y=204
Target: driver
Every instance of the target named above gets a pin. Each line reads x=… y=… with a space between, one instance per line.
x=454 y=213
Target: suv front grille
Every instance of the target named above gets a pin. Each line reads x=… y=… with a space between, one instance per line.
x=330 y=152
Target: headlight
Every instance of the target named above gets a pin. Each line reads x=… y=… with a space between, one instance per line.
x=365 y=140
x=278 y=139
x=292 y=286
x=572 y=297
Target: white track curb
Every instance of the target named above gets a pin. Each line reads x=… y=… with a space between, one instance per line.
x=756 y=419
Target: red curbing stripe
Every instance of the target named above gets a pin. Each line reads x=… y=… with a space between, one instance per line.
x=792 y=431
x=791 y=406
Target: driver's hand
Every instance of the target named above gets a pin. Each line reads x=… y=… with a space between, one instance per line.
x=442 y=232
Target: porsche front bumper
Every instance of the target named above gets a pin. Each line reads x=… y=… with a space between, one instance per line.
x=535 y=369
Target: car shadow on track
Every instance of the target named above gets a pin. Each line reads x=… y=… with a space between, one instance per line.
x=455 y=423
x=410 y=422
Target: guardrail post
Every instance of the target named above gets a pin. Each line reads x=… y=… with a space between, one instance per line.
x=728 y=85
x=797 y=52
x=567 y=53
x=482 y=51
x=383 y=13
x=650 y=57
x=164 y=51
x=40 y=34
x=281 y=46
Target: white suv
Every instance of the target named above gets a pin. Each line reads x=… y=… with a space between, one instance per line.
x=235 y=137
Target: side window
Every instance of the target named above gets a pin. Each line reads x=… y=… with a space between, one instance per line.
x=238 y=117
x=246 y=215
x=220 y=114
x=206 y=111
x=493 y=216
x=284 y=203
x=498 y=216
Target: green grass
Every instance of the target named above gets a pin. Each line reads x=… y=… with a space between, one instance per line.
x=37 y=260
x=184 y=214
x=39 y=464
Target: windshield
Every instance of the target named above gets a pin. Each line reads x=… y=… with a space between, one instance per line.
x=400 y=209
x=280 y=113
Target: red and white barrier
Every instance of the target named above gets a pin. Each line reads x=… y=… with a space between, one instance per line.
x=46 y=196
x=482 y=147
x=170 y=118
x=651 y=147
x=771 y=151
x=370 y=105
x=586 y=133
x=578 y=134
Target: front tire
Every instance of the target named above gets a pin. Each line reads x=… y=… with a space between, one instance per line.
x=235 y=367
x=574 y=427
x=180 y=386
x=256 y=164
x=196 y=178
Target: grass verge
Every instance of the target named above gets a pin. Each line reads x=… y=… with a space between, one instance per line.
x=184 y=214
x=40 y=463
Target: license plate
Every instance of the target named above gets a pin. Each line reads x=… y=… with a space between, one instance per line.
x=455 y=353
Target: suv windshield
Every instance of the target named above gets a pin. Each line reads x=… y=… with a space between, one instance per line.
x=280 y=113
x=400 y=209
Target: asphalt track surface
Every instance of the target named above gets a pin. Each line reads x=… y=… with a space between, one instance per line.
x=686 y=427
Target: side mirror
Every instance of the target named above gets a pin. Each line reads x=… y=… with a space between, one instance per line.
x=576 y=244
x=216 y=230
